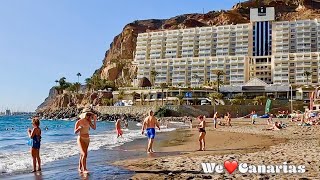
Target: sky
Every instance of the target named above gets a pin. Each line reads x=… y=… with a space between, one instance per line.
x=44 y=40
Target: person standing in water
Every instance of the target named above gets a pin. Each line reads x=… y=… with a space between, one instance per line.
x=118 y=128
x=149 y=124
x=82 y=127
x=35 y=135
x=202 y=131
x=126 y=125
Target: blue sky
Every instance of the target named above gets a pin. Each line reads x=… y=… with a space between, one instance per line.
x=43 y=40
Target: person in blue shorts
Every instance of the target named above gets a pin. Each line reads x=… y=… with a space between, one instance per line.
x=149 y=125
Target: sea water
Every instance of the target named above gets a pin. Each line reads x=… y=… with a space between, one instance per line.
x=58 y=141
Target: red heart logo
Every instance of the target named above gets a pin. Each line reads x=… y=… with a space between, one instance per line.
x=230 y=166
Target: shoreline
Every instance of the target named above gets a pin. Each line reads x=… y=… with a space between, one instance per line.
x=101 y=159
x=269 y=147
x=176 y=156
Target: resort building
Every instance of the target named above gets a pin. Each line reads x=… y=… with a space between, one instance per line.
x=272 y=51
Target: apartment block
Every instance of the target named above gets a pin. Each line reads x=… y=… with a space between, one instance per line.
x=295 y=49
x=272 y=51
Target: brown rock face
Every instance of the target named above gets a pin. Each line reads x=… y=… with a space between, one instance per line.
x=117 y=62
x=73 y=100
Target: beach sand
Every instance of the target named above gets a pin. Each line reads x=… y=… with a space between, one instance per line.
x=242 y=142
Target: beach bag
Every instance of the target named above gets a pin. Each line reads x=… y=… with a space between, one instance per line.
x=30 y=142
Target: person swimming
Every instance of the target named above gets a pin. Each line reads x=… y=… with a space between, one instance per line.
x=82 y=127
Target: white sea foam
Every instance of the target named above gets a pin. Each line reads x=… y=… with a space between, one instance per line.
x=17 y=161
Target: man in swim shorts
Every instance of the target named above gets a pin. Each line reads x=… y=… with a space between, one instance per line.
x=149 y=125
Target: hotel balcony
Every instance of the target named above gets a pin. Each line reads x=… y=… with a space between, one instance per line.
x=170 y=55
x=199 y=69
x=183 y=69
x=205 y=38
x=188 y=33
x=156 y=35
x=187 y=43
x=205 y=32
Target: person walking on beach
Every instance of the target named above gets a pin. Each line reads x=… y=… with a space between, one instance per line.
x=35 y=135
x=82 y=127
x=118 y=128
x=149 y=124
x=228 y=118
x=215 y=119
x=253 y=117
x=202 y=131
x=190 y=120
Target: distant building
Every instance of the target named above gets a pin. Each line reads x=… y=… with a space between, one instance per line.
x=8 y=112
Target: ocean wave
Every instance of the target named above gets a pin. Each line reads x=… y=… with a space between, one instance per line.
x=18 y=161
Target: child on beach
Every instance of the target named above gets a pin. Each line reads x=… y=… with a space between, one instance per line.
x=118 y=128
x=35 y=135
x=202 y=131
x=253 y=117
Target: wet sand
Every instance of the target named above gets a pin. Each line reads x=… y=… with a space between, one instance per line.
x=242 y=142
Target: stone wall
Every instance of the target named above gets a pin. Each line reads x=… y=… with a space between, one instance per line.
x=125 y=109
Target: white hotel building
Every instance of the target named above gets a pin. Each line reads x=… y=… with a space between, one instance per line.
x=274 y=52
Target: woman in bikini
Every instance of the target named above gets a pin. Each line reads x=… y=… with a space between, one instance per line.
x=202 y=131
x=82 y=127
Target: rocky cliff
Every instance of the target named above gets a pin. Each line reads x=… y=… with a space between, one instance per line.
x=117 y=61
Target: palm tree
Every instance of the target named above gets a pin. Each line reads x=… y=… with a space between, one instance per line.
x=239 y=98
x=180 y=98
x=78 y=74
x=133 y=94
x=121 y=95
x=141 y=98
x=259 y=100
x=153 y=75
x=149 y=96
x=215 y=96
x=307 y=73
x=195 y=76
x=62 y=81
x=219 y=73
x=162 y=85
x=89 y=83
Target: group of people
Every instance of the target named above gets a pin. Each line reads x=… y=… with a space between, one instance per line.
x=87 y=119
x=275 y=125
x=202 y=125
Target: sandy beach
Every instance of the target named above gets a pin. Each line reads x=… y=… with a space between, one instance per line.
x=243 y=142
